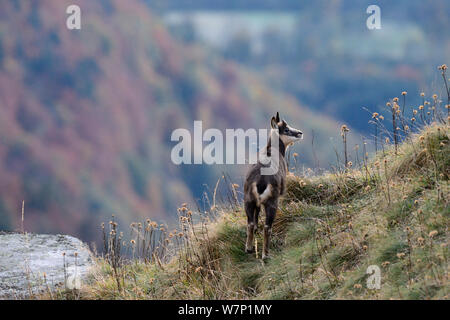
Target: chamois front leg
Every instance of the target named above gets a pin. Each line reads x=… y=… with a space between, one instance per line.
x=271 y=210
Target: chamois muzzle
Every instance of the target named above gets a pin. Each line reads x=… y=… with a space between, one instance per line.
x=297 y=134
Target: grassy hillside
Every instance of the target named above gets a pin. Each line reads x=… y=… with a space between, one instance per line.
x=392 y=212
x=86 y=115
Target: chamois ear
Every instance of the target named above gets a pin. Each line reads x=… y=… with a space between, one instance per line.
x=278 y=117
x=274 y=123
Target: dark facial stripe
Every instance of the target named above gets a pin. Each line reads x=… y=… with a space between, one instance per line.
x=284 y=129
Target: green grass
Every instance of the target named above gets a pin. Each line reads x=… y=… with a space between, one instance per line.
x=328 y=230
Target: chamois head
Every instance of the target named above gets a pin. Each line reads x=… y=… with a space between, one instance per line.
x=288 y=135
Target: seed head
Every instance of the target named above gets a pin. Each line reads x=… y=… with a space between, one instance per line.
x=433 y=233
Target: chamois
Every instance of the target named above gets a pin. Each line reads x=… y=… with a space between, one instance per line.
x=262 y=189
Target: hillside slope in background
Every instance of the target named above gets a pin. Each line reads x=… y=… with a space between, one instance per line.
x=321 y=51
x=86 y=115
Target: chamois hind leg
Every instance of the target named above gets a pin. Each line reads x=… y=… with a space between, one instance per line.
x=252 y=221
x=271 y=210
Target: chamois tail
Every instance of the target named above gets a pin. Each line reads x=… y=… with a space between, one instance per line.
x=261 y=198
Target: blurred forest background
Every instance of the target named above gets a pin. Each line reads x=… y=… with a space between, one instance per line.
x=86 y=115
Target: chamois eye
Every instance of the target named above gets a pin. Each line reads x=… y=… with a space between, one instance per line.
x=286 y=130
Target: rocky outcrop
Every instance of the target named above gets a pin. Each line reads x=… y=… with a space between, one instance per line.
x=31 y=264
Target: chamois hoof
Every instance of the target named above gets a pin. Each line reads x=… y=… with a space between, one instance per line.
x=265 y=257
x=251 y=250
